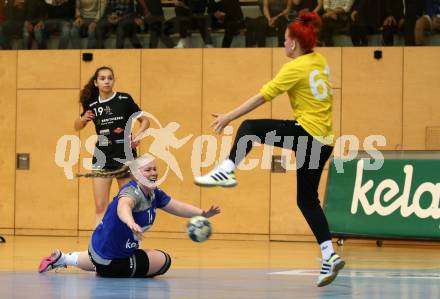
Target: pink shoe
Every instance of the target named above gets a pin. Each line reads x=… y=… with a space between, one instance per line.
x=49 y=262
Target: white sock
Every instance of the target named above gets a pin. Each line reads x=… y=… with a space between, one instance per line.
x=71 y=258
x=326 y=249
x=228 y=165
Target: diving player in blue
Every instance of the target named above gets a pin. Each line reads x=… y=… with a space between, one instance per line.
x=114 y=247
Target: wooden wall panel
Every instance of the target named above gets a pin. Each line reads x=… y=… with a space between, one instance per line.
x=42 y=69
x=125 y=63
x=421 y=107
x=337 y=107
x=8 y=102
x=172 y=93
x=231 y=76
x=372 y=94
x=285 y=216
x=198 y=82
x=334 y=59
x=45 y=198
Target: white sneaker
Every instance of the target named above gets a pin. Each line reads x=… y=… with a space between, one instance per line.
x=209 y=46
x=182 y=43
x=217 y=177
x=330 y=269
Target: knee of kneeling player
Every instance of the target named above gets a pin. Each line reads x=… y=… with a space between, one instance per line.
x=165 y=267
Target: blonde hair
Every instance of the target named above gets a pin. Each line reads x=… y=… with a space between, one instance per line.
x=131 y=167
x=135 y=166
x=139 y=162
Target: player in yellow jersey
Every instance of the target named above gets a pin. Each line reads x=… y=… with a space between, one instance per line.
x=306 y=79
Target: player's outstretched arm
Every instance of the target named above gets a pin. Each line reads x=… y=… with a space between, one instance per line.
x=185 y=210
x=125 y=208
x=222 y=120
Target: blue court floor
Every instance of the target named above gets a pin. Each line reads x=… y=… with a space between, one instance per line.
x=229 y=269
x=224 y=283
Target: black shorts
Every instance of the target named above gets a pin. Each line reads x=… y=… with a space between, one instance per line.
x=135 y=266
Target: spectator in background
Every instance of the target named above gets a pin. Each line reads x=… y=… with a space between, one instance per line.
x=273 y=20
x=256 y=29
x=429 y=21
x=87 y=15
x=413 y=10
x=2 y=11
x=13 y=17
x=190 y=14
x=275 y=12
x=226 y=14
x=335 y=19
x=305 y=5
x=120 y=15
x=35 y=14
x=154 y=22
x=391 y=18
x=364 y=20
x=60 y=14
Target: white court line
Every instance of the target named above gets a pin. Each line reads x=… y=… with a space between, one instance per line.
x=364 y=274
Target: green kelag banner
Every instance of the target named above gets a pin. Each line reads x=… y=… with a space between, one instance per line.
x=399 y=200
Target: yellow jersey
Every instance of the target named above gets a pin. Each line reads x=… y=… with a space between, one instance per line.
x=307 y=82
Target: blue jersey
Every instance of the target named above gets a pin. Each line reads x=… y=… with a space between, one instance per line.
x=112 y=239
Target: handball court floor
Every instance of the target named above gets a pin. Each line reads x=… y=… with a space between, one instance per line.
x=229 y=269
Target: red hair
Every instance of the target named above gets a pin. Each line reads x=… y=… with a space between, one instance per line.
x=304 y=30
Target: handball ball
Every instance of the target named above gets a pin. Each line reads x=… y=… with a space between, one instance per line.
x=199 y=229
